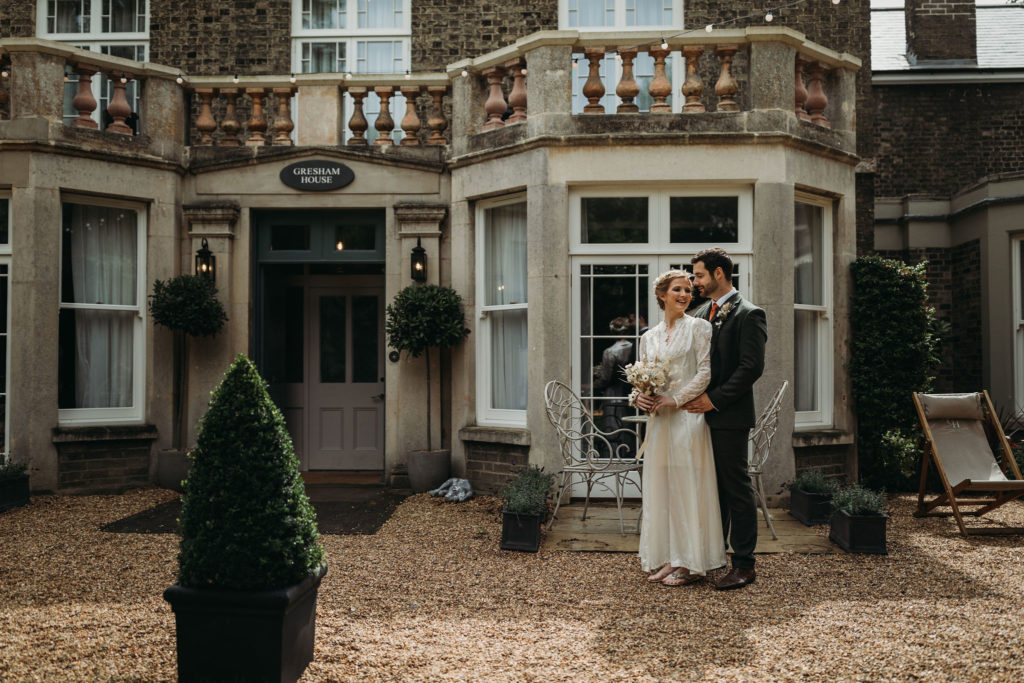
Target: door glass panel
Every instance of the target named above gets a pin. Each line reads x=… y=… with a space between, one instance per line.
x=614 y=220
x=289 y=238
x=697 y=220
x=365 y=342
x=614 y=299
x=332 y=339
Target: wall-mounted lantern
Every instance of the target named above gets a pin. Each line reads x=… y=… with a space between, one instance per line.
x=206 y=262
x=419 y=262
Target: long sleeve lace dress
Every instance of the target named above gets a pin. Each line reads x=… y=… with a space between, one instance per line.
x=682 y=523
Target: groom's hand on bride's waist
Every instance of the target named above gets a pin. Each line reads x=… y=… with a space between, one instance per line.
x=701 y=404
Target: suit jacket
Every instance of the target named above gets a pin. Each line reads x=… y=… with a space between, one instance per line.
x=738 y=338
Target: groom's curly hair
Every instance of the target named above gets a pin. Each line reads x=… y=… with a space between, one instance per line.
x=714 y=258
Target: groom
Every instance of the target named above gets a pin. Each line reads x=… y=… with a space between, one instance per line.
x=738 y=336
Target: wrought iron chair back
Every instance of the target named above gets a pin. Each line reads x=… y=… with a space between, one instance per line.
x=588 y=453
x=761 y=438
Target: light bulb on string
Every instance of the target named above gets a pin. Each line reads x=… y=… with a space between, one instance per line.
x=291 y=79
x=664 y=44
x=234 y=79
x=123 y=79
x=709 y=28
x=179 y=80
x=407 y=75
x=835 y=2
x=575 y=63
x=465 y=72
x=769 y=16
x=523 y=71
x=618 y=57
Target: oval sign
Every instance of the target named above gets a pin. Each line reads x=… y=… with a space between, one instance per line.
x=317 y=176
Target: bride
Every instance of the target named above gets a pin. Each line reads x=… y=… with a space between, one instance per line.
x=681 y=534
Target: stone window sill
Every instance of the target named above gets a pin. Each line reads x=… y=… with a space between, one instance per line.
x=822 y=437
x=505 y=435
x=113 y=433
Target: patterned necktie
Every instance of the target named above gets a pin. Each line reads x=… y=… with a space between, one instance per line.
x=714 y=310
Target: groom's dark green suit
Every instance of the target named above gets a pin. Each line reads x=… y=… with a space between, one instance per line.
x=738 y=337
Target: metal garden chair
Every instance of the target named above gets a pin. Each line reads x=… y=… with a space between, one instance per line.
x=761 y=439
x=589 y=455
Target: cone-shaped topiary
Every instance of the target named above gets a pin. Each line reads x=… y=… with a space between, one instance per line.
x=246 y=522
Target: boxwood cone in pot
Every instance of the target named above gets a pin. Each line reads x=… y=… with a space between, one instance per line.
x=420 y=318
x=250 y=560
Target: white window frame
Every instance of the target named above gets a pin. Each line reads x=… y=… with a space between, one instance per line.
x=351 y=24
x=823 y=416
x=95 y=25
x=619 y=19
x=658 y=219
x=486 y=415
x=1017 y=243
x=133 y=414
x=5 y=259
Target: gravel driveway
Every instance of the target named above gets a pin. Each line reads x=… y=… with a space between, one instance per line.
x=431 y=597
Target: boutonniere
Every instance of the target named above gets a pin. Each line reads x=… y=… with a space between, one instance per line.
x=723 y=313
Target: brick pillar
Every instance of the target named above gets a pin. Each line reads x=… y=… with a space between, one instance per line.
x=941 y=30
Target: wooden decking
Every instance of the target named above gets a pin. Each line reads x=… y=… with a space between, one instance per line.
x=600 y=531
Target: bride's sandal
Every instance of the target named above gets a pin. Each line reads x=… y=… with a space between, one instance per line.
x=657 y=577
x=682 y=577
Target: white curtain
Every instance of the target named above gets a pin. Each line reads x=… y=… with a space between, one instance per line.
x=104 y=263
x=319 y=14
x=380 y=13
x=504 y=284
x=72 y=16
x=648 y=13
x=584 y=13
x=805 y=367
x=808 y=288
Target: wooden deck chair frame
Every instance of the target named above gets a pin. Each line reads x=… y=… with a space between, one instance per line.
x=1002 y=491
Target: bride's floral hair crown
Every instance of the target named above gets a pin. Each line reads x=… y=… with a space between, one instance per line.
x=661 y=282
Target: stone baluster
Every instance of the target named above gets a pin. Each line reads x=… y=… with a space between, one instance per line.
x=593 y=89
x=230 y=124
x=205 y=122
x=118 y=108
x=495 y=105
x=816 y=98
x=800 y=92
x=384 y=123
x=693 y=86
x=627 y=89
x=660 y=87
x=357 y=122
x=283 y=125
x=726 y=87
x=84 y=101
x=257 y=123
x=517 y=96
x=411 y=121
x=437 y=123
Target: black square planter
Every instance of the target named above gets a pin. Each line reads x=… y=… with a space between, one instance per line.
x=14 y=492
x=859 y=533
x=228 y=635
x=520 y=532
x=810 y=508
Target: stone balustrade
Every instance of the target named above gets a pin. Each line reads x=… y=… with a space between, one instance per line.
x=332 y=110
x=743 y=73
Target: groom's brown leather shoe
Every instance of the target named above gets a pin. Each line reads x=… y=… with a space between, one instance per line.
x=736 y=578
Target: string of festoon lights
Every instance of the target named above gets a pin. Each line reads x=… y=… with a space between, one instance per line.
x=768 y=14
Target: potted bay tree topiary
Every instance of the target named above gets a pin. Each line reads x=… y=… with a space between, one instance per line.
x=858 y=521
x=250 y=561
x=810 y=497
x=525 y=509
x=13 y=483
x=420 y=318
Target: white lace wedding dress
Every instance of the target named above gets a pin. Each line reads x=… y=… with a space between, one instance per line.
x=682 y=523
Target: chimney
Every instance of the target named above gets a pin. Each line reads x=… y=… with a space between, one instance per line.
x=941 y=31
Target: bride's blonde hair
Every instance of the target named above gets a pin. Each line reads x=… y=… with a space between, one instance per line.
x=662 y=282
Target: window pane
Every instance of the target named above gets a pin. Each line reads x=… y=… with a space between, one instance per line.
x=100 y=253
x=121 y=16
x=323 y=58
x=380 y=13
x=332 y=339
x=505 y=253
x=703 y=220
x=805 y=395
x=355 y=237
x=68 y=16
x=591 y=13
x=508 y=360
x=318 y=14
x=614 y=302
x=808 y=259
x=614 y=220
x=5 y=213
x=95 y=358
x=365 y=342
x=648 y=12
x=289 y=238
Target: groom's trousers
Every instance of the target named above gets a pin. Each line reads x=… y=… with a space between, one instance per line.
x=735 y=494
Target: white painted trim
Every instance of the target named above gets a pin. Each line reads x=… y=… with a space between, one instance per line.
x=135 y=413
x=980 y=76
x=485 y=414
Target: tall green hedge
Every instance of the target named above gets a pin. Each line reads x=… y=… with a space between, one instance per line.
x=246 y=523
x=893 y=354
